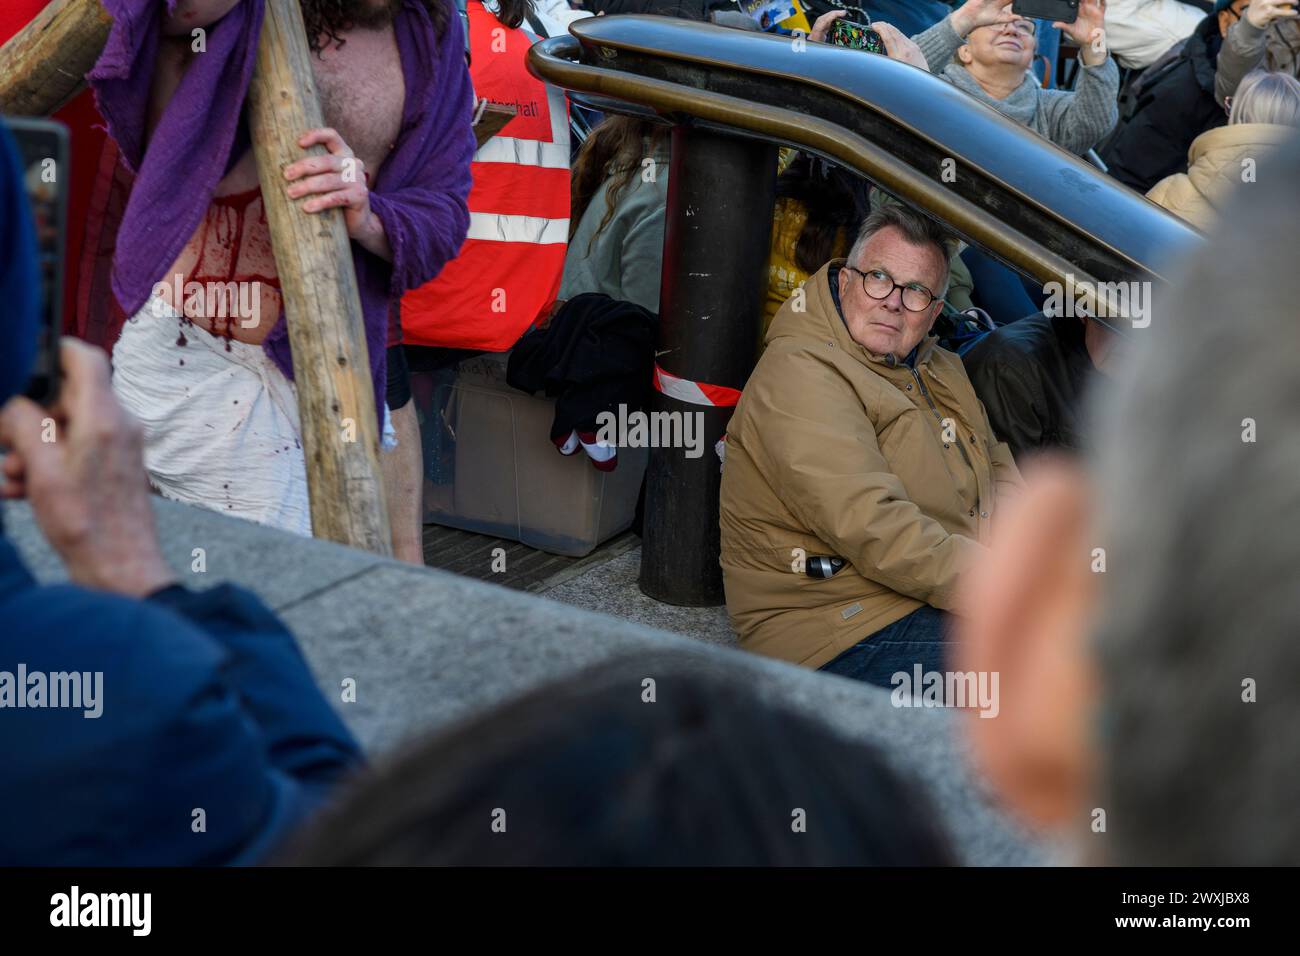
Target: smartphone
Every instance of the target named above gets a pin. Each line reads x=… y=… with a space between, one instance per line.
x=43 y=150
x=1066 y=11
x=855 y=36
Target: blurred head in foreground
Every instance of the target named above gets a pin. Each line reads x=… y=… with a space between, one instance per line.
x=1150 y=711
x=590 y=772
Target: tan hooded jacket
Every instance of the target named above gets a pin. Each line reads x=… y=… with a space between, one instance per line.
x=835 y=451
x=1215 y=166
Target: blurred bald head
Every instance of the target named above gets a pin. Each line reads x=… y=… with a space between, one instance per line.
x=1142 y=613
x=1198 y=484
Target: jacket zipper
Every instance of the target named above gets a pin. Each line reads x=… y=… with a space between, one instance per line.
x=934 y=408
x=960 y=446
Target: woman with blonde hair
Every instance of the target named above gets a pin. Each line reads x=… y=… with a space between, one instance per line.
x=1264 y=112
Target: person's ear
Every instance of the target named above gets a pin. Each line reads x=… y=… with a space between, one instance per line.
x=964 y=54
x=935 y=308
x=1027 y=608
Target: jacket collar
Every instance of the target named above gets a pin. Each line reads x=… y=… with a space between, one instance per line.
x=1235 y=138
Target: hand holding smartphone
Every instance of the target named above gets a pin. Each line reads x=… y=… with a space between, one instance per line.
x=1053 y=11
x=856 y=36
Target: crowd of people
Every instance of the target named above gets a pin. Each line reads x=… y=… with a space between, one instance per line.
x=904 y=381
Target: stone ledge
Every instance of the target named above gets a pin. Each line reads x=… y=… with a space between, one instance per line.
x=427 y=648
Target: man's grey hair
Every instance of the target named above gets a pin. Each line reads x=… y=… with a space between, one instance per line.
x=917 y=228
x=1198 y=453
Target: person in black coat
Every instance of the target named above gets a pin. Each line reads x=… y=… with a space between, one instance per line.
x=1032 y=376
x=1171 y=104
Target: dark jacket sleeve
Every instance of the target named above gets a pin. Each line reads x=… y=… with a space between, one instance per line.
x=302 y=735
x=1015 y=405
x=205 y=742
x=1242 y=51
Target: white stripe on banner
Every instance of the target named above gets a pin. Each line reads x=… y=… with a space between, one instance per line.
x=501 y=228
x=525 y=152
x=681 y=389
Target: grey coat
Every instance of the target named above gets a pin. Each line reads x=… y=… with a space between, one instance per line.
x=1075 y=120
x=625 y=258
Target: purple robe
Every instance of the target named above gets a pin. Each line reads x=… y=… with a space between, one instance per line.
x=419 y=193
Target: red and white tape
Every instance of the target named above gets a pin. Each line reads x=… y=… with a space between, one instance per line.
x=696 y=393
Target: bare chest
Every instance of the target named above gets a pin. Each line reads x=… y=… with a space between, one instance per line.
x=360 y=84
x=362 y=92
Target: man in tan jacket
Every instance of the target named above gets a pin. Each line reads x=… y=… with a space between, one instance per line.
x=861 y=472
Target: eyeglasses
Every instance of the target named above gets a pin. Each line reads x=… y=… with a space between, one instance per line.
x=881 y=285
x=1023 y=27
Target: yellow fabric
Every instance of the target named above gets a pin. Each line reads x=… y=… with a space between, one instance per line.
x=799 y=21
x=783 y=273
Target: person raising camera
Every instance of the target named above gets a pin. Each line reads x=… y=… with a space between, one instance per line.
x=986 y=50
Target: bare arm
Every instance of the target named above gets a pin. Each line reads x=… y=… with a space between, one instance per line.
x=190 y=14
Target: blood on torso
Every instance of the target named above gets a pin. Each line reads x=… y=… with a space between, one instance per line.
x=362 y=93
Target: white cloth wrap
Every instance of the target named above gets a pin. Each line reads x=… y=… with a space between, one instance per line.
x=220 y=426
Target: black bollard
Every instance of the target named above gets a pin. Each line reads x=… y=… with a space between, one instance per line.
x=721 y=192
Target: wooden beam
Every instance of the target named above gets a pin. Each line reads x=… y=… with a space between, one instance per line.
x=313 y=255
x=490 y=119
x=44 y=65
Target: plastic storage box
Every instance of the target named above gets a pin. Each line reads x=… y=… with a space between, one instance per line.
x=490 y=466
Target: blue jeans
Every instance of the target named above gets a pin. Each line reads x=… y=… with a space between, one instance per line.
x=918 y=638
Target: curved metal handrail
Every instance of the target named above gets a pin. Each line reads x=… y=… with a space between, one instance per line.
x=1012 y=192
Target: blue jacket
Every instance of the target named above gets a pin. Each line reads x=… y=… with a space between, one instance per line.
x=206 y=704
